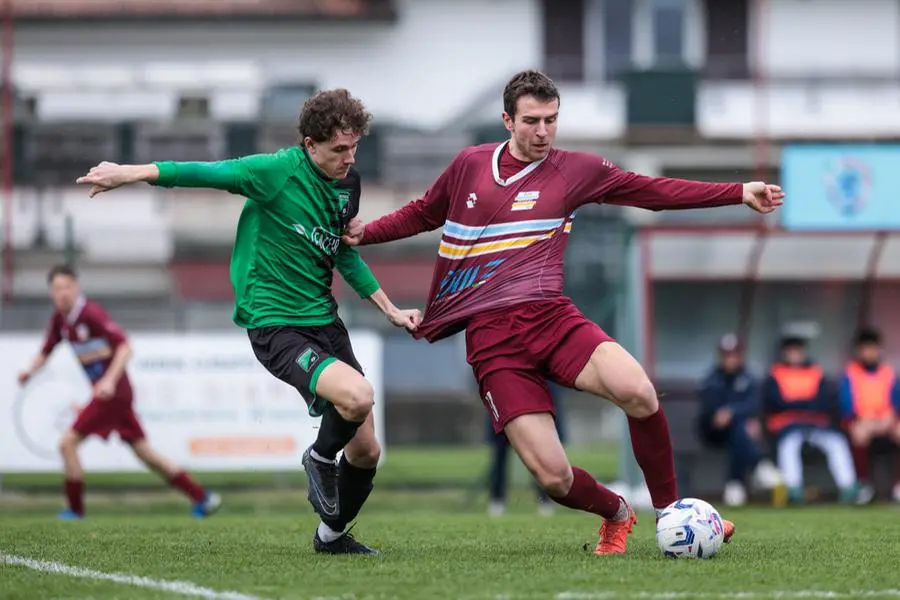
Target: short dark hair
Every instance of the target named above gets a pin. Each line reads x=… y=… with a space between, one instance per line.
x=868 y=335
x=327 y=112
x=528 y=83
x=793 y=341
x=61 y=270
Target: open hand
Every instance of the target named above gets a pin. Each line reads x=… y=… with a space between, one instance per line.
x=107 y=176
x=762 y=197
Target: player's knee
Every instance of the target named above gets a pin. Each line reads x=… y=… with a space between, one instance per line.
x=556 y=482
x=638 y=398
x=860 y=437
x=357 y=400
x=364 y=456
x=68 y=442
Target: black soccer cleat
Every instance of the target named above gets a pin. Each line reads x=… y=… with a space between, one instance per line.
x=346 y=544
x=322 y=485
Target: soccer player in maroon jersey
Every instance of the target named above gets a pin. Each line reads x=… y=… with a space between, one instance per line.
x=103 y=351
x=506 y=210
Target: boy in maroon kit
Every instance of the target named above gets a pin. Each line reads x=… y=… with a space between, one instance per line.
x=506 y=210
x=103 y=351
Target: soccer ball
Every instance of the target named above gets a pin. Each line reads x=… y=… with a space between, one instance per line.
x=690 y=528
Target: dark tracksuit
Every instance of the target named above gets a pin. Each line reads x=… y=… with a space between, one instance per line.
x=739 y=392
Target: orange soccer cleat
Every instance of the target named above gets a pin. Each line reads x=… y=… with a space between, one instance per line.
x=729 y=530
x=614 y=534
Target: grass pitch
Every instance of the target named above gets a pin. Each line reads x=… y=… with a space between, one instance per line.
x=436 y=544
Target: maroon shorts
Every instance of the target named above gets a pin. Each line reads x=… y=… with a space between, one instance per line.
x=102 y=417
x=514 y=351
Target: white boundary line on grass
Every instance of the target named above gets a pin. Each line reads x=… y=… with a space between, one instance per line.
x=760 y=595
x=185 y=588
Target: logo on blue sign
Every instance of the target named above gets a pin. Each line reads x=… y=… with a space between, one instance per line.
x=848 y=182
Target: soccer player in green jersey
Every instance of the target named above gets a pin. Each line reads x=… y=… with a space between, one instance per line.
x=288 y=241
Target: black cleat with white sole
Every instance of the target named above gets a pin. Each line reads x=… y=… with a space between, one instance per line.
x=346 y=544
x=322 y=485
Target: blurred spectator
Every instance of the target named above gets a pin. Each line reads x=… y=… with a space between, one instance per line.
x=728 y=419
x=499 y=476
x=799 y=410
x=870 y=403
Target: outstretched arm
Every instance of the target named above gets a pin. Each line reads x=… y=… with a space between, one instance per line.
x=425 y=214
x=258 y=177
x=595 y=179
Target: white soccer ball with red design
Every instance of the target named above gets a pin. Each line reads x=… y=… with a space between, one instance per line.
x=690 y=528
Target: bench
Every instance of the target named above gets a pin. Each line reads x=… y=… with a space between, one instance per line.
x=701 y=470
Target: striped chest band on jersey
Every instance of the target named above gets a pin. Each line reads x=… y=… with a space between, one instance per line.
x=469 y=240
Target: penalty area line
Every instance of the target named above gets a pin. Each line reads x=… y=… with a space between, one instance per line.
x=183 y=588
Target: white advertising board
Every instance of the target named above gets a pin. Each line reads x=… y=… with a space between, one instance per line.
x=203 y=399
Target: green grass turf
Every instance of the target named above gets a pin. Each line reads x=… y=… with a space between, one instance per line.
x=434 y=547
x=404 y=467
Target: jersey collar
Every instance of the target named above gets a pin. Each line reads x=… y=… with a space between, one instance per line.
x=76 y=309
x=495 y=167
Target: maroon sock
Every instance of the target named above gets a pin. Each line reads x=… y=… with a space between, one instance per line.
x=75 y=495
x=183 y=482
x=588 y=495
x=653 y=451
x=896 y=464
x=861 y=462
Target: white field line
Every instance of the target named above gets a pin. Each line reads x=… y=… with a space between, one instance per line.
x=184 y=588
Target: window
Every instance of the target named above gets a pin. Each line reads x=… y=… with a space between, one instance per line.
x=727 y=38
x=564 y=39
x=617 y=35
x=668 y=18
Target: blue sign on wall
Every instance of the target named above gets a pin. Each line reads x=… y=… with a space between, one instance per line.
x=837 y=187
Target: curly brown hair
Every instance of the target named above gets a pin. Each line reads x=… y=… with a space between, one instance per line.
x=327 y=112
x=528 y=83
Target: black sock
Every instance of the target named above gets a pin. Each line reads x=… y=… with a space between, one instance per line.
x=354 y=486
x=335 y=432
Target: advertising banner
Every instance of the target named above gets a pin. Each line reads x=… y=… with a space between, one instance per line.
x=841 y=187
x=203 y=399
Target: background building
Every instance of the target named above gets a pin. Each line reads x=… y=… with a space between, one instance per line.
x=687 y=88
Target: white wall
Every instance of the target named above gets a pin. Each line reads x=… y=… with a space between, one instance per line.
x=820 y=37
x=805 y=109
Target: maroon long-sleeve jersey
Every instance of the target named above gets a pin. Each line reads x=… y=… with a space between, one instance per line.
x=506 y=224
x=93 y=335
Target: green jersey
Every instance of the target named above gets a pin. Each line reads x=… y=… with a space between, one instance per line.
x=288 y=238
